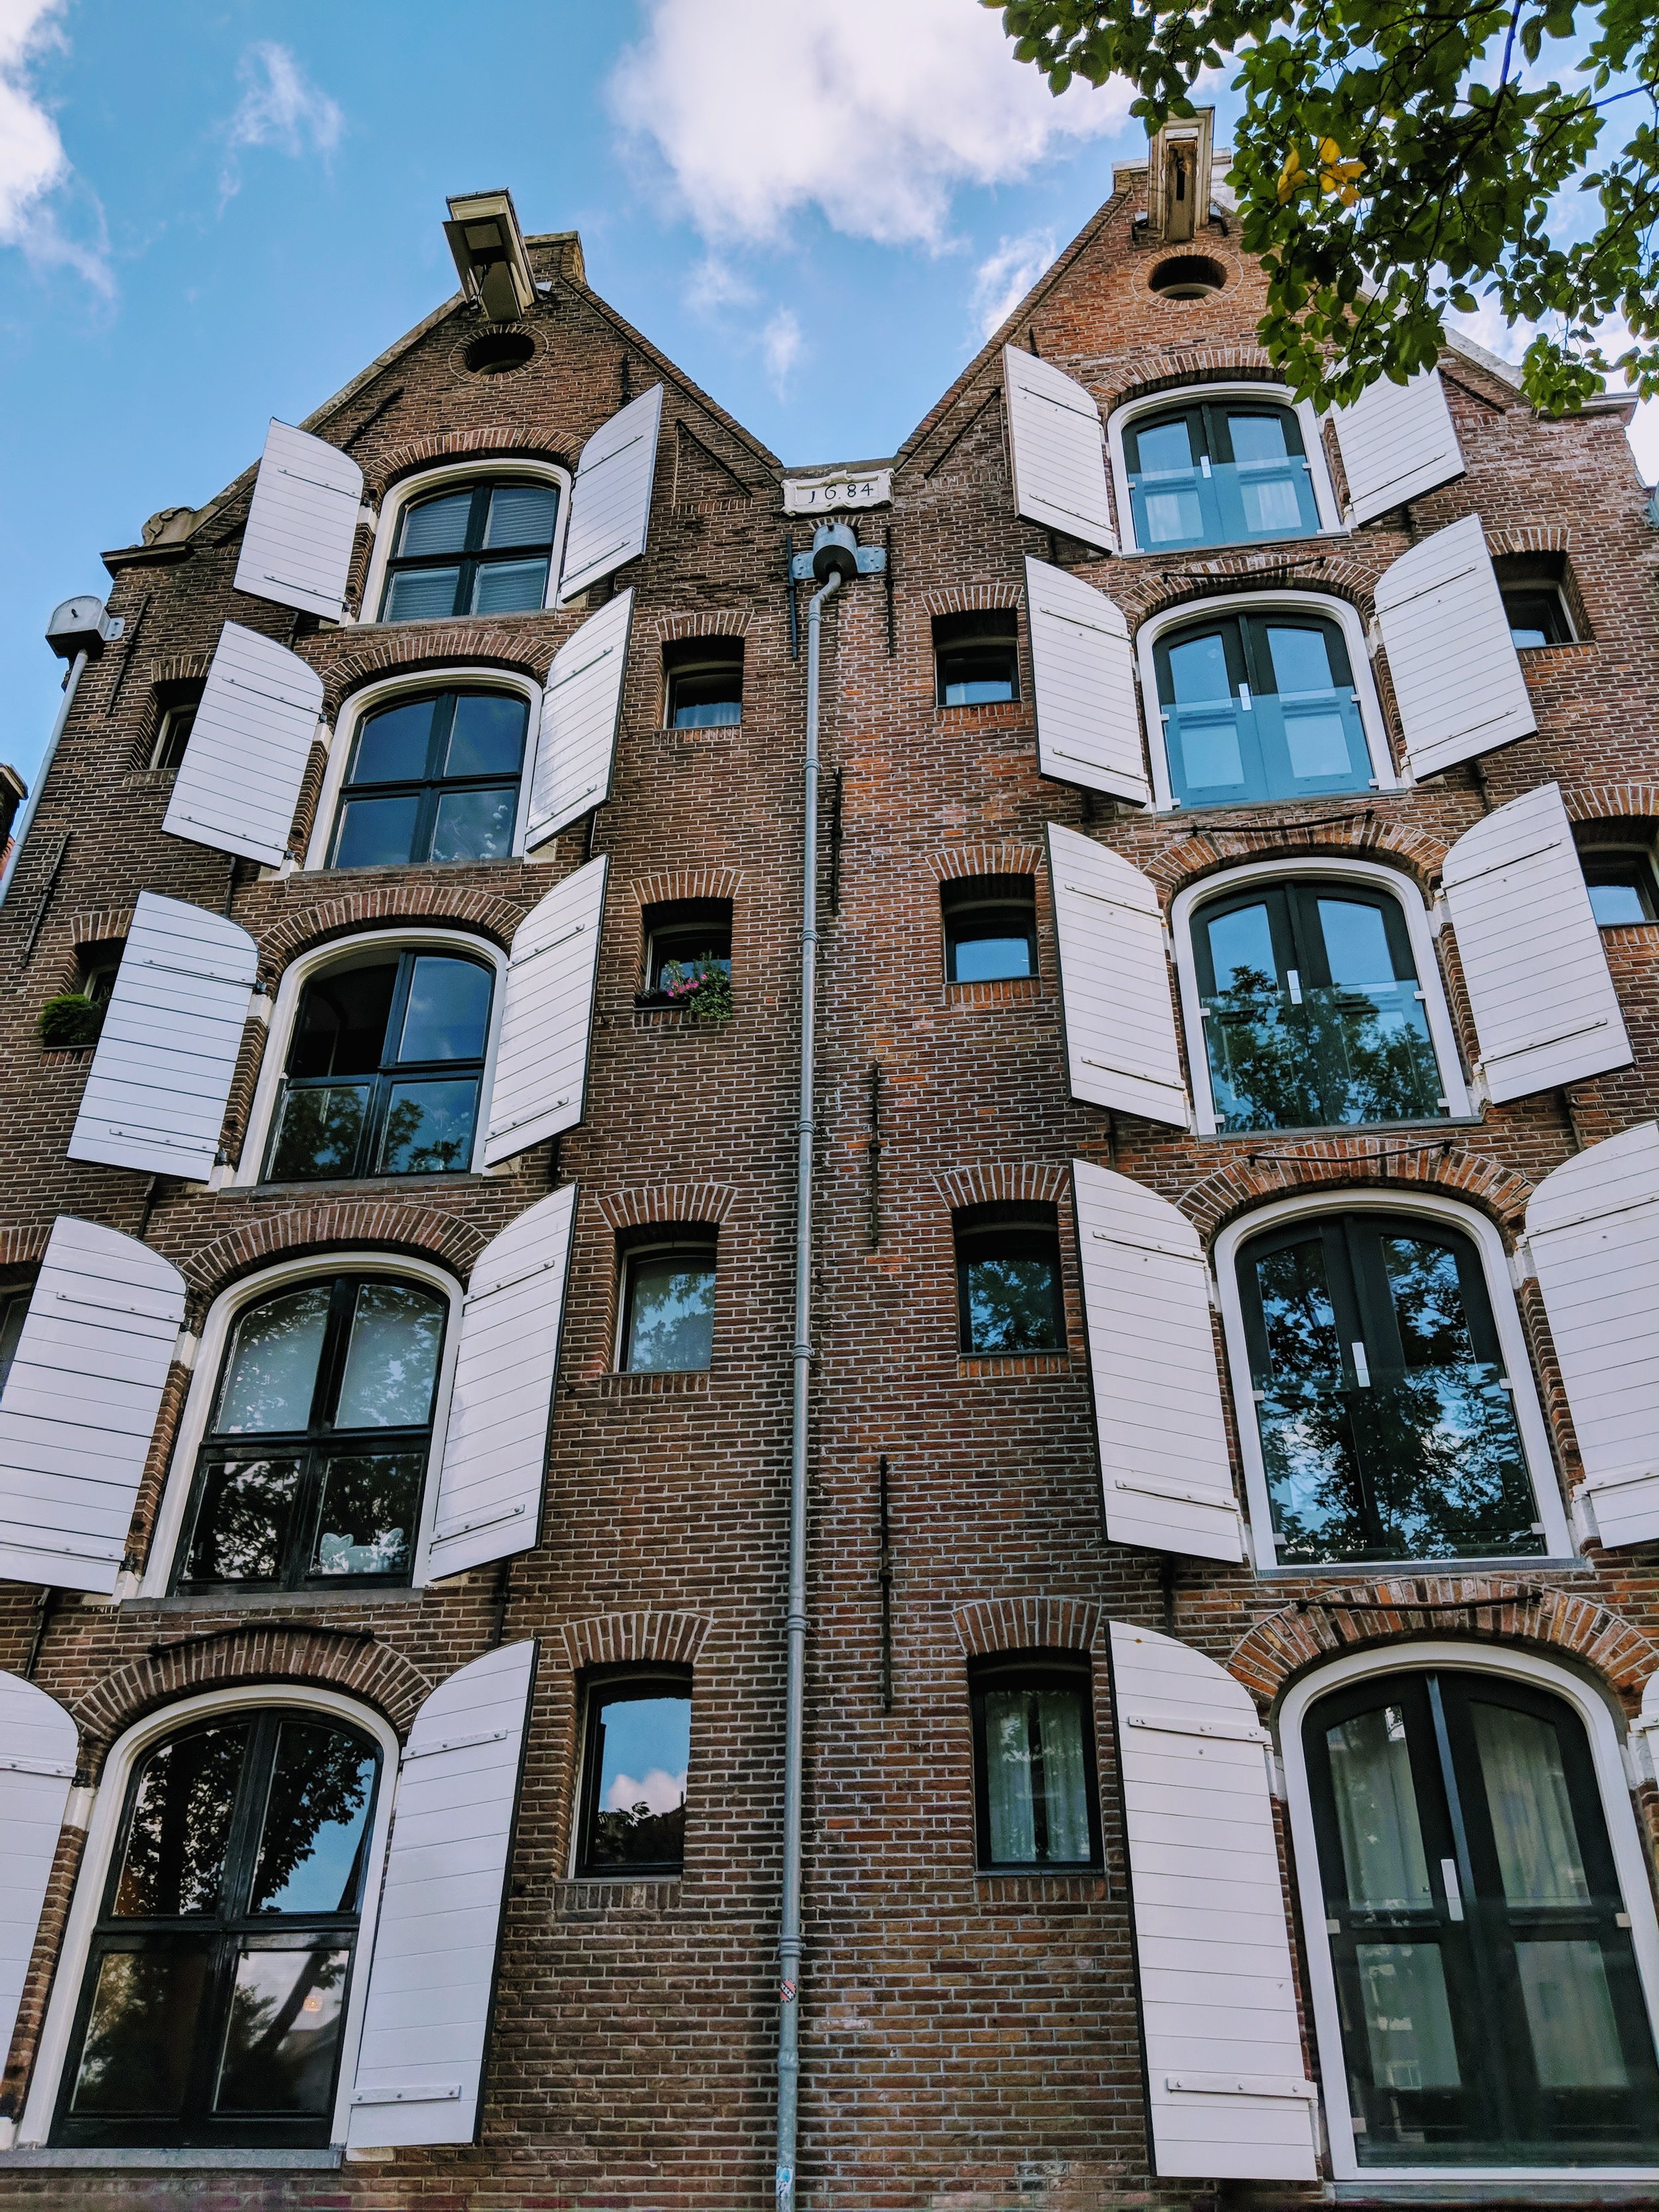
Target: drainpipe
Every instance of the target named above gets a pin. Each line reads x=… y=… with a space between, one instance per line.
x=79 y=630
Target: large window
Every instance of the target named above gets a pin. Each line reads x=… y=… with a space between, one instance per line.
x=1036 y=1804
x=667 y=1321
x=216 y=1986
x=1387 y=1420
x=1218 y=473
x=1008 y=1284
x=990 y=927
x=1491 y=2009
x=384 y=1070
x=1260 y=705
x=481 y=549
x=635 y=1761
x=1312 y=1010
x=434 y=779
x=312 y=1470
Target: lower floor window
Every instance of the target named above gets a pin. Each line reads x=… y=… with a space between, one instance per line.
x=1036 y=1799
x=668 y=1308
x=637 y=1759
x=1008 y=1286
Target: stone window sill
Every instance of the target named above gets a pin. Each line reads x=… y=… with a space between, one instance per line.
x=245 y=2161
x=1037 y=1888
x=1005 y=990
x=1001 y=1366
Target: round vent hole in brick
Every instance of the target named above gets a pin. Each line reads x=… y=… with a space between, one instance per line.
x=499 y=351
x=1187 y=277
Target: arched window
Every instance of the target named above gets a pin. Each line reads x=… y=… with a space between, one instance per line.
x=216 y=1990
x=1260 y=704
x=1218 y=472
x=432 y=779
x=384 y=1068
x=1491 y=2009
x=476 y=549
x=314 y=1463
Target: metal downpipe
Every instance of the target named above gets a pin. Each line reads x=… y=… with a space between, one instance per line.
x=20 y=829
x=789 y=1939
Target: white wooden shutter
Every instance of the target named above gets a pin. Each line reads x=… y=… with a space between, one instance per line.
x=1546 y=1011
x=38 y=1748
x=1396 y=441
x=1228 y=2094
x=438 y=1939
x=581 y=709
x=489 y=1490
x=1456 y=671
x=1120 y=1046
x=161 y=1077
x=80 y=1404
x=541 y=1063
x=1088 y=709
x=296 y=549
x=610 y=499
x=239 y=782
x=1153 y=1366
x=1057 y=446
x=1593 y=1231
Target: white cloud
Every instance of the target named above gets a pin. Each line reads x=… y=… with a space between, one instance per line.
x=32 y=162
x=782 y=347
x=281 y=108
x=662 y=1792
x=873 y=113
x=1001 y=282
x=713 y=284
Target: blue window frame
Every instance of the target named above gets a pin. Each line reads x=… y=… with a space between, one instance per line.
x=1259 y=705
x=1225 y=473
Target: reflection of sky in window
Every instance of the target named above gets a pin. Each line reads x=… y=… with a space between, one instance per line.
x=273 y=1370
x=645 y=1752
x=394 y=1357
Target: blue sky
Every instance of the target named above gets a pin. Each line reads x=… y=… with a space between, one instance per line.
x=212 y=211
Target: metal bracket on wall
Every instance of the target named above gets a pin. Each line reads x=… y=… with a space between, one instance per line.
x=872 y=560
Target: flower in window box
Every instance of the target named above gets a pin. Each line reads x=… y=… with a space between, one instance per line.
x=70 y=1021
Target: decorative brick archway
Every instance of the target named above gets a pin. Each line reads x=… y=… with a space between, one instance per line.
x=391 y=1223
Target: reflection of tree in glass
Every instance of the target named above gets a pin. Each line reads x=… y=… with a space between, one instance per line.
x=1338 y=1056
x=368 y=1510
x=245 y=1507
x=181 y=1823
x=638 y=1836
x=1306 y=1442
x=392 y=1362
x=1010 y=1305
x=317 y=1811
x=1258 y=1050
x=140 y=2034
x=320 y=1132
x=436 y=1155
x=272 y=1371
x=279 y=2044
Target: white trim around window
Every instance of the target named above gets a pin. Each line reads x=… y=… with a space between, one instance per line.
x=1606 y=1742
x=1418 y=928
x=103 y=1833
x=1511 y=1336
x=209 y=1360
x=471 y=470
x=422 y=684
x=1340 y=612
x=1192 y=395
x=278 y=1036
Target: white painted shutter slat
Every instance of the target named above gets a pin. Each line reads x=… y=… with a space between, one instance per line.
x=489 y=1490
x=38 y=1747
x=581 y=709
x=420 y=2062
x=1088 y=712
x=1456 y=671
x=1057 y=444
x=1546 y=1011
x=547 y=1021
x=1593 y=1231
x=1396 y=441
x=303 y=524
x=160 y=1076
x=1229 y=2096
x=80 y=1404
x=1121 y=1045
x=1152 y=1364
x=610 y=499
x=239 y=782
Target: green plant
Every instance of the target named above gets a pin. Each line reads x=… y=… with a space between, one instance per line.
x=70 y=1021
x=712 y=999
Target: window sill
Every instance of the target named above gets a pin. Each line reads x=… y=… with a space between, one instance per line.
x=1382 y=1570
x=361 y=1184
x=1333 y=1130
x=985 y=1366
x=593 y=1896
x=66 y=1056
x=1001 y=990
x=1232 y=545
x=281 y=1601
x=1037 y=1888
x=677 y=1382
x=650 y=1017
x=240 y=2161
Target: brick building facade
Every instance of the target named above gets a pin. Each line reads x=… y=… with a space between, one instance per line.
x=1076 y=1926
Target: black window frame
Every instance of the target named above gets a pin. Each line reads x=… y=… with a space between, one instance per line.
x=1633 y=864
x=173 y=732
x=474 y=555
x=1209 y=445
x=962 y=898
x=428 y=790
x=1034 y=1669
x=693 y=657
x=1010 y=1223
x=1248 y=656
x=992 y=634
x=656 y=1242
x=1538 y=597
x=689 y=920
x=617 y=1685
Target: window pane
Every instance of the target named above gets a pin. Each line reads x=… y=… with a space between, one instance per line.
x=503 y=587
x=343 y=1017
x=392 y=747
x=486 y=735
x=1368 y=1031
x=179 y=1828
x=283 y=2033
x=1163 y=447
x=1301 y=659
x=976 y=676
x=522 y=514
x=1258 y=437
x=1615 y=904
x=421 y=595
x=1241 y=948
x=315 y=1822
x=682 y=957
x=1198 y=670
x=642 y=1747
x=392 y=1361
x=428 y=1127
x=1533 y=1826
x=671 y=1313
x=448 y=1010
x=318 y=1132
x=1575 y=2037
x=377 y=833
x=1306 y=1443
x=371 y=1505
x=1013 y=1300
x=1620 y=886
x=242 y=1524
x=988 y=959
x=271 y=1373
x=475 y=825
x=706 y=698
x=141 y=2032
x=1037 y=1780
x=435 y=526
x=1376 y=1817
x=1172 y=516
x=1407 y=2020
x=1206 y=750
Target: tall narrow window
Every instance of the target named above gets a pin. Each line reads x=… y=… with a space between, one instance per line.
x=214 y=1997
x=977 y=657
x=990 y=927
x=667 y=1323
x=481 y=549
x=384 y=1070
x=1008 y=1285
x=703 y=683
x=634 y=1764
x=1036 y=1799
x=172 y=735
x=432 y=779
x=1259 y=705
x=1313 y=1015
x=1386 y=1422
x=1219 y=473
x=1491 y=2009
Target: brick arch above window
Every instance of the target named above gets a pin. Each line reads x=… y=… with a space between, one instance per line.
x=971 y=599
x=717 y=622
x=493 y=442
x=668 y=1202
x=1612 y=802
x=1207 y=851
x=614 y=1639
x=438 y=649
x=958 y=860
x=390 y=1225
x=323 y=920
x=1027 y=1624
x=1202 y=365
x=1371 y=1162
x=100 y=925
x=23 y=1247
x=686 y=883
x=1250 y=569
x=181 y=668
x=1040 y=1181
x=1542 y=539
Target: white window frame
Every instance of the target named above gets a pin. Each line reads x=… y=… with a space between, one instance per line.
x=1191 y=395
x=354 y=711
x=425 y=481
x=103 y=1834
x=1559 y=1545
x=1607 y=1742
x=208 y=1360
x=279 y=1033
x=1324 y=603
x=1418 y=928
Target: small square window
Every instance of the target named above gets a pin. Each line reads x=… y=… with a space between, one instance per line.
x=1621 y=884
x=1538 y=615
x=976 y=657
x=703 y=683
x=667 y=1323
x=636 y=1756
x=1037 y=1800
x=1008 y=1283
x=173 y=736
x=685 y=942
x=990 y=928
